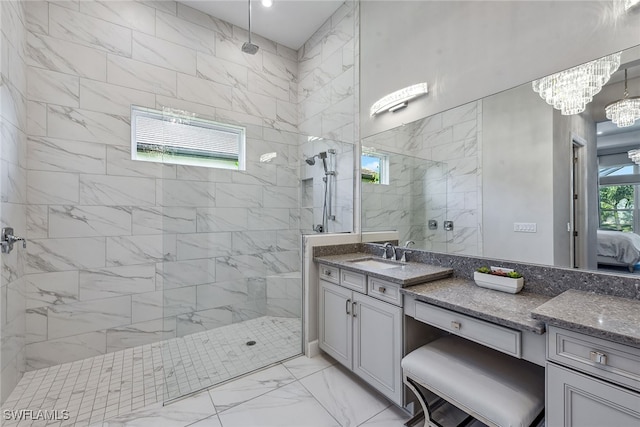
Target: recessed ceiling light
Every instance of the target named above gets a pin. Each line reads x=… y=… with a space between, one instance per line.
x=267 y=3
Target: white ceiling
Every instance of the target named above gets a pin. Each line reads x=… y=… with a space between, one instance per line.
x=288 y=22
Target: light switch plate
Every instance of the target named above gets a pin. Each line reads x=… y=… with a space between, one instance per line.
x=525 y=227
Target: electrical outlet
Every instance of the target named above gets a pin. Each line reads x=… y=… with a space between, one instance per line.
x=524 y=227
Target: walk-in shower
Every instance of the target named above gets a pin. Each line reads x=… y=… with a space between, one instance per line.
x=145 y=281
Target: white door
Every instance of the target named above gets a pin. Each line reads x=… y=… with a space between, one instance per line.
x=335 y=322
x=377 y=345
x=578 y=400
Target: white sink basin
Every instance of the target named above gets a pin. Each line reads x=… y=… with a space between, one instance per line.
x=374 y=263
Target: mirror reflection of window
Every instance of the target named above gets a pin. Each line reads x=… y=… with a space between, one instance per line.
x=375 y=168
x=618 y=210
x=617 y=207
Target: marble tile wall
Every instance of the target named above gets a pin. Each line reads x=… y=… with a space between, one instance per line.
x=340 y=190
x=454 y=137
x=390 y=206
x=435 y=173
x=328 y=78
x=124 y=253
x=13 y=184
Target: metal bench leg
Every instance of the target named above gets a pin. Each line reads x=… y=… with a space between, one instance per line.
x=428 y=421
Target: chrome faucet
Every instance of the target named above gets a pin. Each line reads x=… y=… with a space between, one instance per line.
x=405 y=252
x=393 y=251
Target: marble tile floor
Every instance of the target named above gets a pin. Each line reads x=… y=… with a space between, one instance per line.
x=300 y=392
x=124 y=382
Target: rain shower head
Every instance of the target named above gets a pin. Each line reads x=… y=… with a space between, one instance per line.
x=248 y=47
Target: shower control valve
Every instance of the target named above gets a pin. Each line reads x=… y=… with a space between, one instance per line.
x=7 y=239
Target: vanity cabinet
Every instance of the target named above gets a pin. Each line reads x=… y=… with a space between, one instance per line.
x=363 y=332
x=591 y=381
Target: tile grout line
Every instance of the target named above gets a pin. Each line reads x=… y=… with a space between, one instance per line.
x=135 y=369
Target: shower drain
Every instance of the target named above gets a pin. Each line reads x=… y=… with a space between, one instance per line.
x=252 y=342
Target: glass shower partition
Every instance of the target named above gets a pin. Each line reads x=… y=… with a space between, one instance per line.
x=405 y=194
x=230 y=278
x=326 y=181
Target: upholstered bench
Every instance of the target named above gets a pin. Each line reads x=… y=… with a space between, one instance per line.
x=496 y=389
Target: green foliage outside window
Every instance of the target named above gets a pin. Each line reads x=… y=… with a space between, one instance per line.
x=616 y=207
x=370 y=169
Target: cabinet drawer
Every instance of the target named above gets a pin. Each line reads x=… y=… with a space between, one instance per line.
x=330 y=274
x=384 y=290
x=491 y=335
x=601 y=358
x=352 y=280
x=578 y=400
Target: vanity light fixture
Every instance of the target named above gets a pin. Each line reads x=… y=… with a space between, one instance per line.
x=399 y=99
x=624 y=112
x=571 y=90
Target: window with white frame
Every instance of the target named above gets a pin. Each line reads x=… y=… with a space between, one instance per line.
x=374 y=167
x=177 y=137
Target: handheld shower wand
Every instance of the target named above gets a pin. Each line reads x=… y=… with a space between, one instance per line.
x=323 y=156
x=248 y=47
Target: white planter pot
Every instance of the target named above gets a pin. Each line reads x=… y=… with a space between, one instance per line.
x=499 y=283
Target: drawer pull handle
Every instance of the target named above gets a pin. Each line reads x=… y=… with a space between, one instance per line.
x=353 y=309
x=456 y=325
x=348 y=303
x=327 y=272
x=382 y=289
x=598 y=357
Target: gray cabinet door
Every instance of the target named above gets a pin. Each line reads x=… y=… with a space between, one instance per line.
x=335 y=322
x=377 y=345
x=578 y=400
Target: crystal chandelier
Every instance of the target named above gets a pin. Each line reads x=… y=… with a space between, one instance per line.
x=634 y=155
x=624 y=112
x=571 y=90
x=628 y=4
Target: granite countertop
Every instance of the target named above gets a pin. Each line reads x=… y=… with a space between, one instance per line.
x=602 y=316
x=608 y=317
x=409 y=273
x=464 y=296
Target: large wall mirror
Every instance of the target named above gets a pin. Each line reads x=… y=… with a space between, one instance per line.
x=510 y=177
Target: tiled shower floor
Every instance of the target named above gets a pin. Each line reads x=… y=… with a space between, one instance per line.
x=102 y=387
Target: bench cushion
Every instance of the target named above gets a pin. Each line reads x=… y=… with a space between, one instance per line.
x=504 y=390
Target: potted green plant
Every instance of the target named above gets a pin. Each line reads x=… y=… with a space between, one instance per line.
x=498 y=278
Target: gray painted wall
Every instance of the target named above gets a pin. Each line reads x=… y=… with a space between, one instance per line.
x=466 y=50
x=517 y=176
